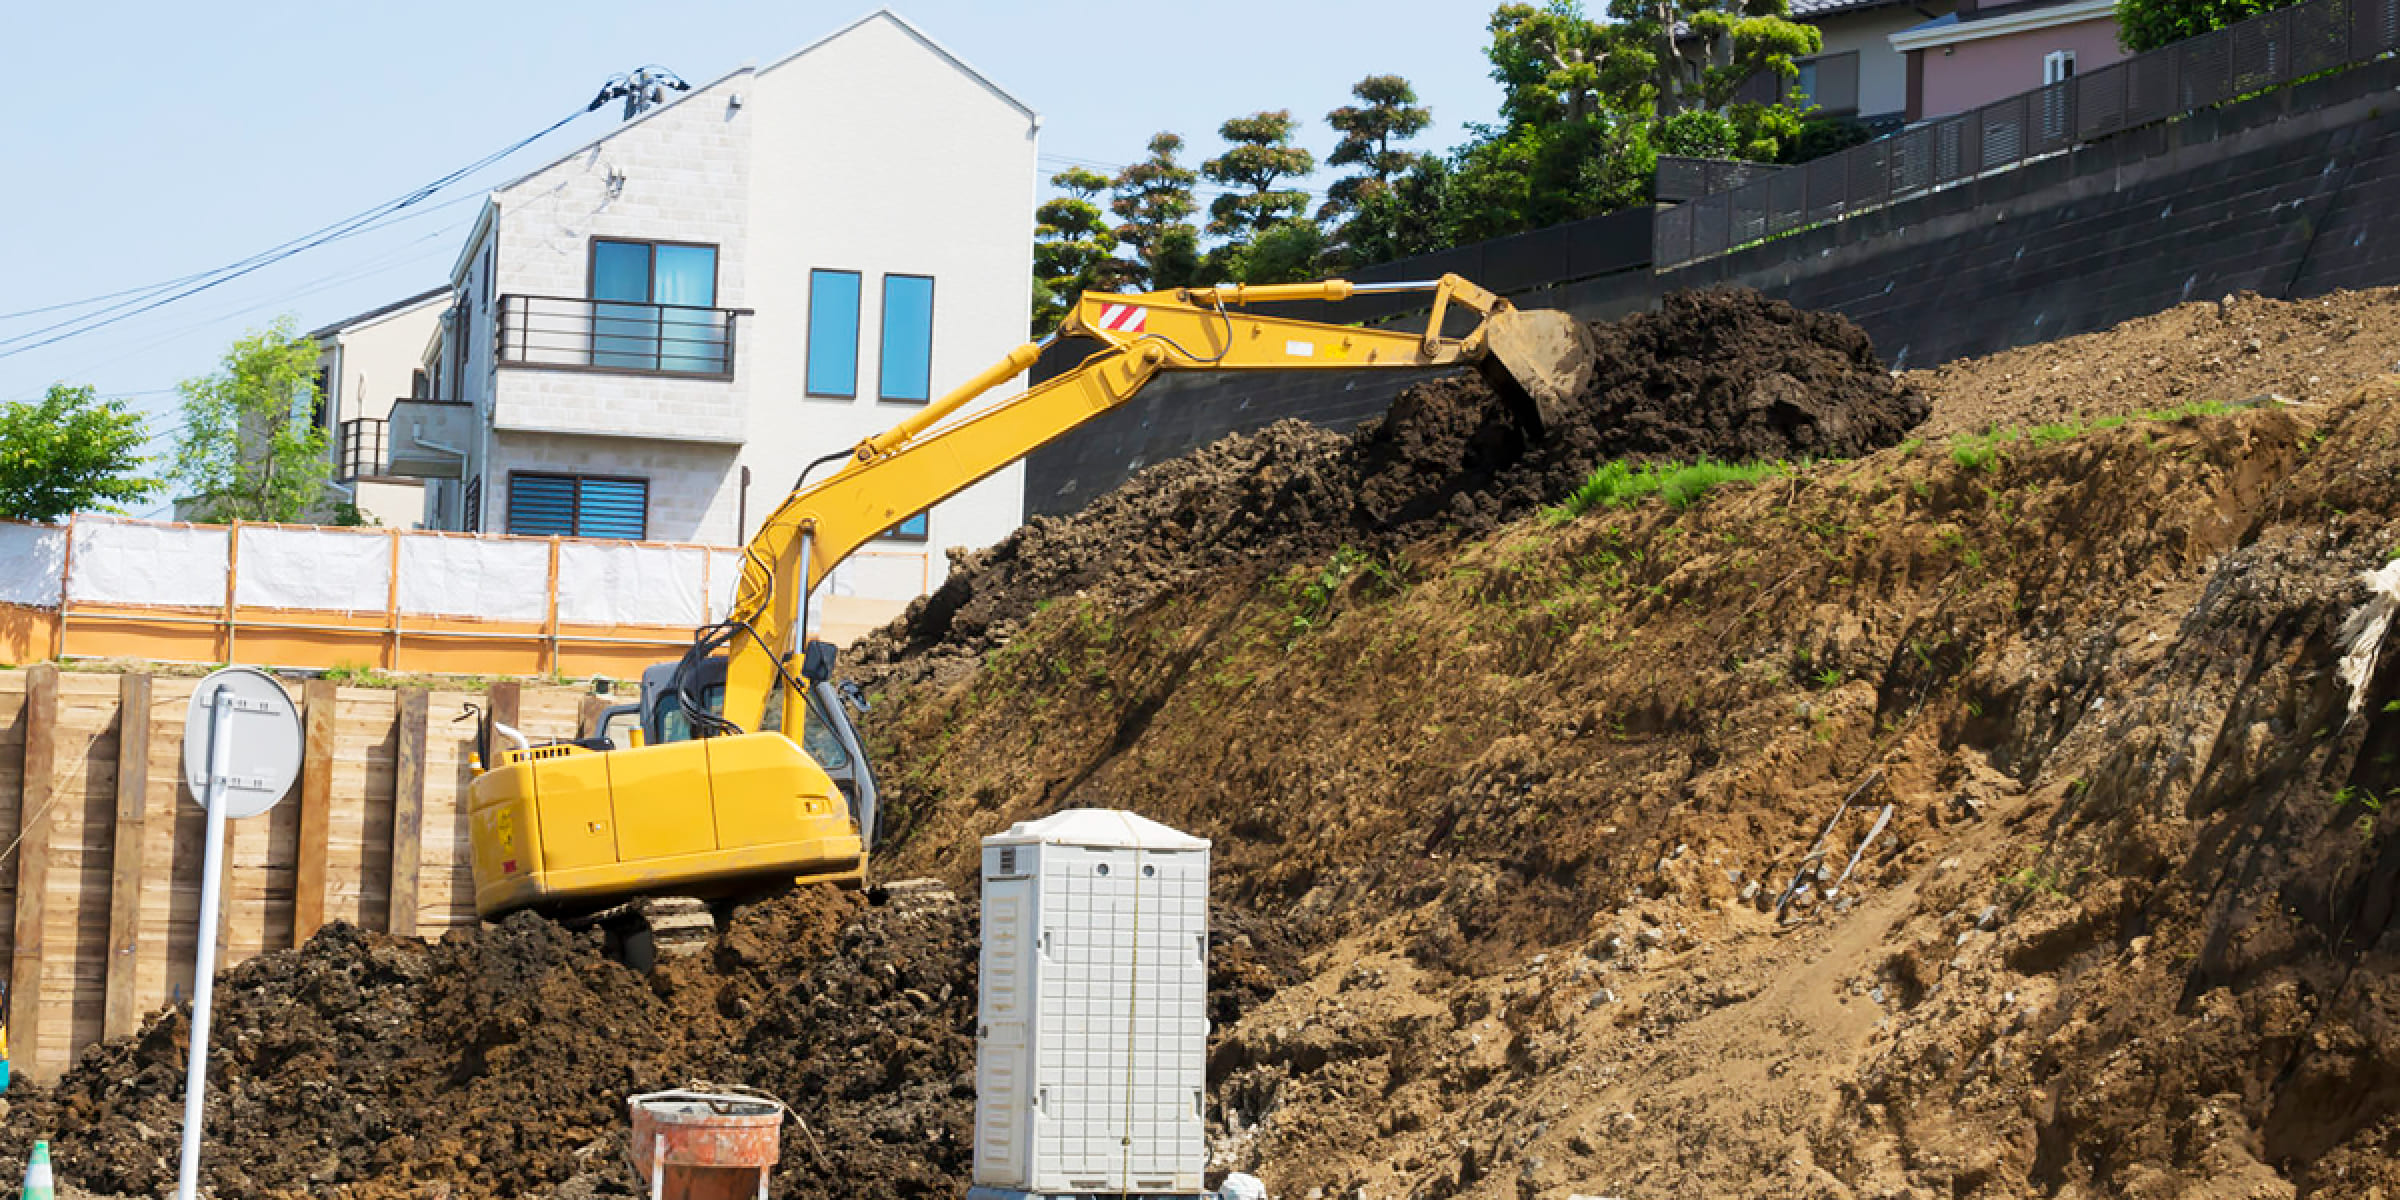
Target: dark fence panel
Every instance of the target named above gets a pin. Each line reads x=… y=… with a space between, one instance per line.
x=2264 y=52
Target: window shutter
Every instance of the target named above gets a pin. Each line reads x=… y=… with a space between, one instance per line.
x=612 y=508
x=541 y=505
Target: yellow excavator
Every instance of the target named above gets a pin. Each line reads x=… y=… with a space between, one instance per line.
x=738 y=769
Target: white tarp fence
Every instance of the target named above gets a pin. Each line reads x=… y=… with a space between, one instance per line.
x=129 y=562
x=468 y=576
x=724 y=581
x=33 y=564
x=114 y=561
x=622 y=584
x=332 y=569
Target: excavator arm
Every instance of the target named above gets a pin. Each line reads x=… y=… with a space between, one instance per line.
x=1535 y=357
x=634 y=837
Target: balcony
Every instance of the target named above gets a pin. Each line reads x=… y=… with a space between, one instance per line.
x=358 y=450
x=426 y=438
x=561 y=333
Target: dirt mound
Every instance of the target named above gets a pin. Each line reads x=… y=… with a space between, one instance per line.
x=496 y=1062
x=1722 y=373
x=2224 y=351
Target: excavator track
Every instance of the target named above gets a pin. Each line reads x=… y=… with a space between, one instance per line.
x=679 y=925
x=640 y=932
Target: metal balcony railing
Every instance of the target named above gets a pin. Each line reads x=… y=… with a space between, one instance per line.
x=359 y=450
x=568 y=333
x=2264 y=52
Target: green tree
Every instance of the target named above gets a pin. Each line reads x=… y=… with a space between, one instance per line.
x=1587 y=106
x=1402 y=219
x=1153 y=203
x=251 y=450
x=2149 y=24
x=1387 y=112
x=1074 y=250
x=1696 y=54
x=68 y=452
x=1260 y=154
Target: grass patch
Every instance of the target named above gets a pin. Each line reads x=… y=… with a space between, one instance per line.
x=1983 y=451
x=1622 y=485
x=358 y=674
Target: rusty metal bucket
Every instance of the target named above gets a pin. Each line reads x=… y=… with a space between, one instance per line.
x=690 y=1145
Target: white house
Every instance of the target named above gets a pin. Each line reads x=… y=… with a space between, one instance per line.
x=651 y=336
x=364 y=364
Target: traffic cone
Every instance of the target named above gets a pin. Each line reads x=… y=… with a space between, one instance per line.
x=38 y=1184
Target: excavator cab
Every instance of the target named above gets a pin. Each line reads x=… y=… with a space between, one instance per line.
x=574 y=828
x=828 y=736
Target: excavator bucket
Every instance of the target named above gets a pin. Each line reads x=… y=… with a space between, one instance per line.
x=1540 y=360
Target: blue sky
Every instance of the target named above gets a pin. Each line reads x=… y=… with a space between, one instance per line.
x=148 y=141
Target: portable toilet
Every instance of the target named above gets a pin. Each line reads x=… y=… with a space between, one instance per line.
x=1092 y=1023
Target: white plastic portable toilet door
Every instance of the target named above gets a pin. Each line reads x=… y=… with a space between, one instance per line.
x=1005 y=1119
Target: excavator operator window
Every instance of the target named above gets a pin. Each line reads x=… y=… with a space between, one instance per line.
x=821 y=743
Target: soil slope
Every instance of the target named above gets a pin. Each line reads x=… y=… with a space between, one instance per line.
x=1530 y=795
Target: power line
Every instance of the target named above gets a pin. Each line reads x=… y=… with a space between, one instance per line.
x=149 y=300
x=387 y=261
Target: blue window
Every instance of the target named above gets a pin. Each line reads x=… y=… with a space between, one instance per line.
x=660 y=315
x=833 y=333
x=907 y=338
x=914 y=529
x=577 y=506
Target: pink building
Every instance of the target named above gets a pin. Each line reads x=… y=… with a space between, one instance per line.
x=1993 y=49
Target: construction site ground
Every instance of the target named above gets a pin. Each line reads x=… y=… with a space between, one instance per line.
x=1987 y=803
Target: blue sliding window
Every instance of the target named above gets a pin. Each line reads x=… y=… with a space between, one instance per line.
x=653 y=308
x=577 y=506
x=833 y=333
x=914 y=529
x=907 y=338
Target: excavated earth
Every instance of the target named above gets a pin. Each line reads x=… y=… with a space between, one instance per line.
x=1727 y=374
x=1989 y=809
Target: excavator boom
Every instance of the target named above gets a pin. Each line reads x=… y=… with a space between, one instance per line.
x=587 y=824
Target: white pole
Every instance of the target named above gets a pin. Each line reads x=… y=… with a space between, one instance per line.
x=204 y=964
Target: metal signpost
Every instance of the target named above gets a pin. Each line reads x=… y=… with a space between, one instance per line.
x=241 y=751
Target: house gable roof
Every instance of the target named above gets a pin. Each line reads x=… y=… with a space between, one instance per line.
x=375 y=314
x=923 y=38
x=1810 y=10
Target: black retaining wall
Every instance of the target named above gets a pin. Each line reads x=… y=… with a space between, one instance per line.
x=2291 y=194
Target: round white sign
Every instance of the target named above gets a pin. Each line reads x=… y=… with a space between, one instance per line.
x=262 y=750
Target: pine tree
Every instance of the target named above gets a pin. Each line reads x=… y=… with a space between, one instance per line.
x=1154 y=205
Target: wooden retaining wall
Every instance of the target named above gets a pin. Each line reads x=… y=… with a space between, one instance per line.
x=99 y=900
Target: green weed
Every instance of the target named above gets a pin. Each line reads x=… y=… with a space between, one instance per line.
x=1829 y=678
x=1621 y=485
x=2036 y=879
x=1309 y=600
x=358 y=674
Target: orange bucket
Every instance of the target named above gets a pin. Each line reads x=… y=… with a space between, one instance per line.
x=705 y=1145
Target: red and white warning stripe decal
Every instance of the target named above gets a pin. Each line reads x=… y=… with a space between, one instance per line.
x=1122 y=318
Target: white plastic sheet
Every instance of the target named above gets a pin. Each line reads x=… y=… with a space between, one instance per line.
x=325 y=569
x=33 y=564
x=620 y=584
x=490 y=578
x=724 y=580
x=128 y=562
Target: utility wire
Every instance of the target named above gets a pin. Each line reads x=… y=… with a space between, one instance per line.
x=151 y=299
